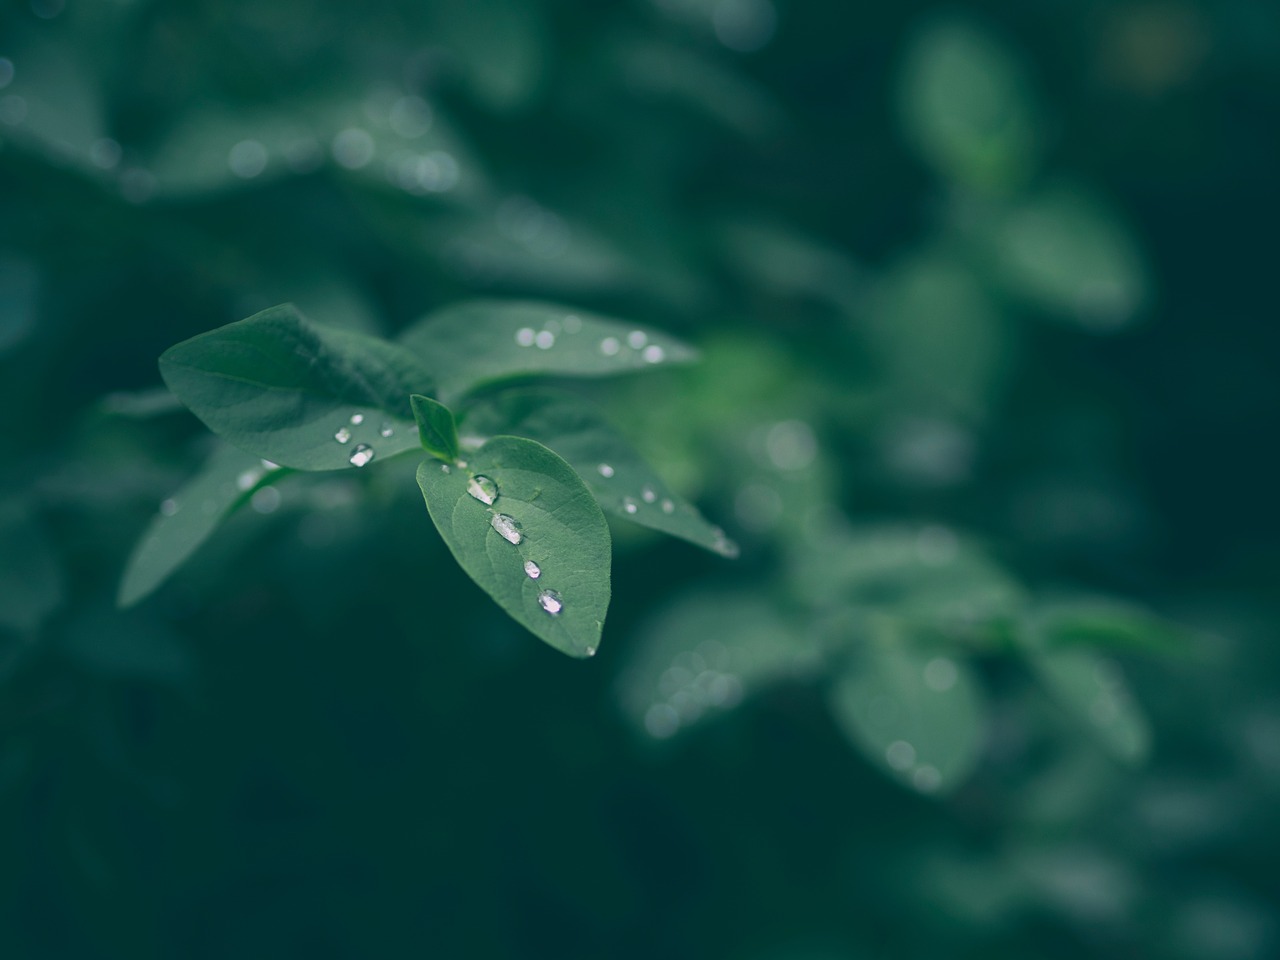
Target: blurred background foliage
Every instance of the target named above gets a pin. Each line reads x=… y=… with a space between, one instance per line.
x=982 y=291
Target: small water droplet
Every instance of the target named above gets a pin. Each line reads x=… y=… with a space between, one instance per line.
x=610 y=346
x=483 y=489
x=268 y=465
x=630 y=505
x=168 y=507
x=926 y=779
x=357 y=419
x=668 y=506
x=544 y=340
x=572 y=323
x=637 y=339
x=507 y=528
x=343 y=435
x=606 y=471
x=661 y=721
x=525 y=336
x=444 y=468
x=248 y=479
x=361 y=455
x=386 y=430
x=266 y=500
x=900 y=755
x=532 y=570
x=590 y=651
x=550 y=601
x=648 y=494
x=654 y=354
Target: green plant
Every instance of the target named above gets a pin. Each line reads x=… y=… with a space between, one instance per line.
x=518 y=479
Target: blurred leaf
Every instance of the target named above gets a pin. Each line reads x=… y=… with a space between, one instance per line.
x=1107 y=624
x=298 y=394
x=1066 y=252
x=522 y=524
x=915 y=713
x=705 y=654
x=471 y=344
x=31 y=582
x=436 y=427
x=53 y=105
x=967 y=106
x=1094 y=692
x=19 y=287
x=622 y=483
x=226 y=482
x=501 y=46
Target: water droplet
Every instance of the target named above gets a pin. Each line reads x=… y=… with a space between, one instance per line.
x=668 y=506
x=544 y=340
x=507 y=528
x=926 y=779
x=900 y=755
x=343 y=435
x=606 y=471
x=386 y=430
x=610 y=346
x=357 y=419
x=532 y=570
x=444 y=468
x=654 y=354
x=637 y=339
x=361 y=455
x=590 y=651
x=248 y=479
x=268 y=465
x=353 y=148
x=648 y=494
x=572 y=323
x=525 y=336
x=940 y=674
x=629 y=505
x=483 y=489
x=661 y=721
x=550 y=601
x=266 y=500
x=168 y=507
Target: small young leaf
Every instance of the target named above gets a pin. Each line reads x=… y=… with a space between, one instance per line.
x=622 y=482
x=298 y=394
x=1092 y=689
x=525 y=528
x=436 y=427
x=226 y=481
x=481 y=341
x=914 y=713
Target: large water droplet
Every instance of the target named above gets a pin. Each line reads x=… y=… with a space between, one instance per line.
x=343 y=435
x=361 y=455
x=507 y=528
x=532 y=570
x=357 y=419
x=637 y=339
x=544 y=340
x=606 y=471
x=654 y=354
x=648 y=494
x=550 y=601
x=630 y=505
x=524 y=336
x=483 y=489
x=610 y=346
x=386 y=430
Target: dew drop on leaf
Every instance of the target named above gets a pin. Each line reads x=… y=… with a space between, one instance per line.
x=630 y=505
x=361 y=455
x=168 y=507
x=386 y=430
x=532 y=570
x=550 y=601
x=654 y=354
x=637 y=339
x=507 y=528
x=357 y=419
x=525 y=336
x=483 y=489
x=606 y=471
x=343 y=435
x=668 y=506
x=545 y=340
x=248 y=479
x=610 y=346
x=648 y=495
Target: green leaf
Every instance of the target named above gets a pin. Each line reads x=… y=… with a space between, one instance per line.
x=1093 y=691
x=482 y=341
x=226 y=482
x=31 y=582
x=622 y=482
x=703 y=656
x=436 y=427
x=915 y=713
x=521 y=487
x=298 y=394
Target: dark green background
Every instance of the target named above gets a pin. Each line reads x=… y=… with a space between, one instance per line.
x=321 y=740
